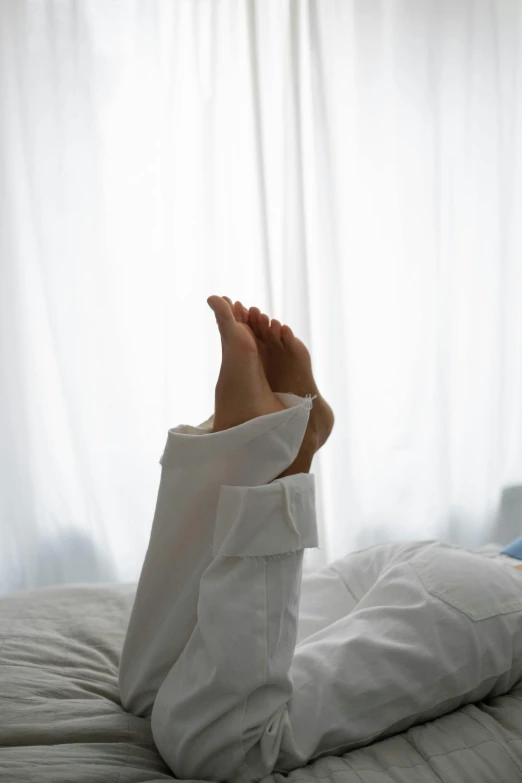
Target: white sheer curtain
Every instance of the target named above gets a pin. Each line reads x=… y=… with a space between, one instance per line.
x=353 y=168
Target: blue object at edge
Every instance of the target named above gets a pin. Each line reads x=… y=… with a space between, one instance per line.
x=514 y=549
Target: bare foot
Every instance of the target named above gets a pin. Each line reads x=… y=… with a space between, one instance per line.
x=242 y=390
x=288 y=368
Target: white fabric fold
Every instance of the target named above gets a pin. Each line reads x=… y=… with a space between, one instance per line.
x=278 y=517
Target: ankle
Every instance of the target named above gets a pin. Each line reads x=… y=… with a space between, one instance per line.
x=303 y=461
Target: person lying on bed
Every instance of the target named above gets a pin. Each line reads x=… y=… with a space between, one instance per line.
x=245 y=665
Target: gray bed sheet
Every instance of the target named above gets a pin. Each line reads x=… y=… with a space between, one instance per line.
x=61 y=720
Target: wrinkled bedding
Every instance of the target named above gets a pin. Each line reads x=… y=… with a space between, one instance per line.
x=61 y=719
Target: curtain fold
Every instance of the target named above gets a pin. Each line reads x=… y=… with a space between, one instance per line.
x=351 y=168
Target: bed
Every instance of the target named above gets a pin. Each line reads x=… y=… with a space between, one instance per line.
x=61 y=720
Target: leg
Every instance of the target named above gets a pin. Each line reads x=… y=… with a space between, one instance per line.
x=434 y=628
x=217 y=713
x=253 y=436
x=303 y=461
x=194 y=469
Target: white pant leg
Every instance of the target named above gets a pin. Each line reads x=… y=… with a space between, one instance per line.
x=435 y=627
x=332 y=592
x=218 y=713
x=195 y=465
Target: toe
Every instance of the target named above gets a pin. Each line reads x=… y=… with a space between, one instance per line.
x=221 y=309
x=253 y=320
x=286 y=335
x=230 y=304
x=264 y=326
x=239 y=312
x=275 y=330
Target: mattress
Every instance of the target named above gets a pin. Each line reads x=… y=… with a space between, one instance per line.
x=61 y=719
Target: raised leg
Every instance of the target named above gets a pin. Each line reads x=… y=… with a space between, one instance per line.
x=196 y=467
x=252 y=438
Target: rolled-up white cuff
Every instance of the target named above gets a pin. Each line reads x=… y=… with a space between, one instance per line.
x=183 y=450
x=271 y=519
